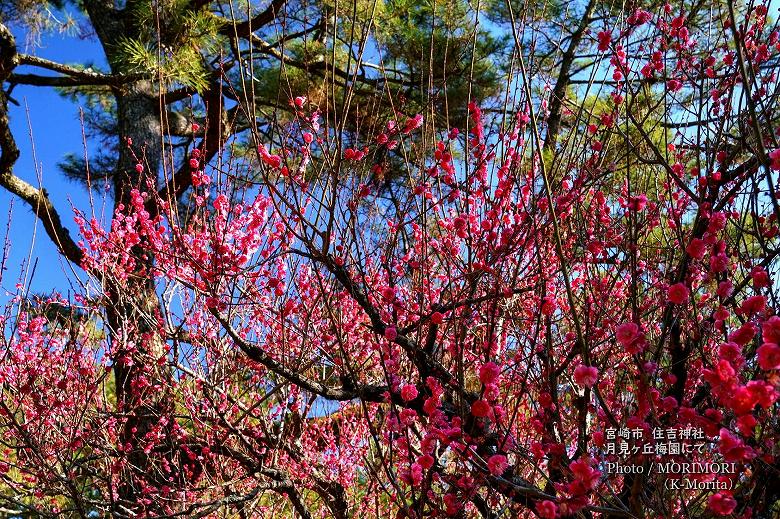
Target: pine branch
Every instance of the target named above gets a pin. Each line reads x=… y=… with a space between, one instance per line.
x=37 y=199
x=71 y=76
x=244 y=29
x=70 y=81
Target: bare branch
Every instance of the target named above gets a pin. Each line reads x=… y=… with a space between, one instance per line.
x=244 y=29
x=37 y=199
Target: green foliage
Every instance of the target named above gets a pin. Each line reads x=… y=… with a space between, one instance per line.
x=63 y=316
x=443 y=59
x=498 y=12
x=624 y=146
x=171 y=43
x=98 y=109
x=181 y=65
x=37 y=17
x=355 y=15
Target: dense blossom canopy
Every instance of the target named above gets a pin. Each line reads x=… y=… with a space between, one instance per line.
x=479 y=343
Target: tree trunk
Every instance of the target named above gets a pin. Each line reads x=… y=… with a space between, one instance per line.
x=140 y=131
x=134 y=310
x=143 y=382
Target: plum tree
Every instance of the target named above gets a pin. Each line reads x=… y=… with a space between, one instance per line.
x=567 y=309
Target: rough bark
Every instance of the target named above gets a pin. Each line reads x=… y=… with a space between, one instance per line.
x=564 y=78
x=132 y=310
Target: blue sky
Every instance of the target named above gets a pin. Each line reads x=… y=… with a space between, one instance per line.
x=50 y=126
